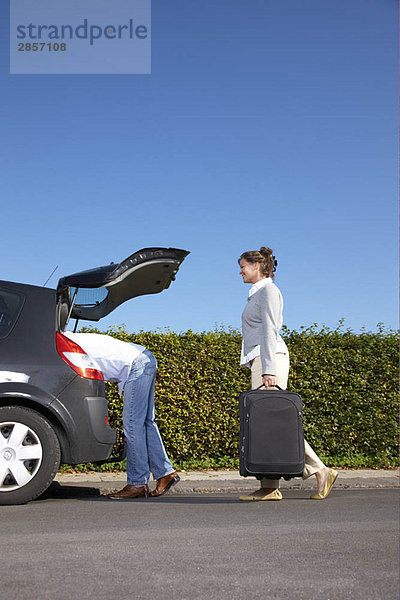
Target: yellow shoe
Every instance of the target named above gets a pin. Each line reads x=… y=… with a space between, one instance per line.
x=262 y=494
x=330 y=480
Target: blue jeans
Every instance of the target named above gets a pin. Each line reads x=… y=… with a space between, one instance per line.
x=145 y=450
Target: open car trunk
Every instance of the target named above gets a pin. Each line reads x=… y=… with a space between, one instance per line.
x=93 y=294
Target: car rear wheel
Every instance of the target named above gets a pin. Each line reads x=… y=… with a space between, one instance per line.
x=29 y=454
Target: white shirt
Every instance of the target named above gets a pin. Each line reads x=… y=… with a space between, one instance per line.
x=114 y=357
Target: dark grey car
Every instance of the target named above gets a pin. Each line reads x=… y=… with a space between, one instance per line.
x=53 y=408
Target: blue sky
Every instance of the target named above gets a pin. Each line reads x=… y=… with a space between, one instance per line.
x=270 y=122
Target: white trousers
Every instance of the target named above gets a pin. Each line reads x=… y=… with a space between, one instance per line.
x=313 y=462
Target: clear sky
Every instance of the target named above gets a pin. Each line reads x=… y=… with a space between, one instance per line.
x=265 y=122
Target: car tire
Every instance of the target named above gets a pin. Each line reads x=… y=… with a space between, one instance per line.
x=29 y=454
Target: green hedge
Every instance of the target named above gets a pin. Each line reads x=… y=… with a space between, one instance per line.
x=348 y=382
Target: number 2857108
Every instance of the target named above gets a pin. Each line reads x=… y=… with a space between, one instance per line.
x=42 y=46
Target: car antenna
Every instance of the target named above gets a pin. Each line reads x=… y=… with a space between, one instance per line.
x=51 y=275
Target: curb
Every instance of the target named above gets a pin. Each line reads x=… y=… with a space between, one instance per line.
x=225 y=482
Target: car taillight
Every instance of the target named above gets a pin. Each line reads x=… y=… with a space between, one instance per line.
x=77 y=358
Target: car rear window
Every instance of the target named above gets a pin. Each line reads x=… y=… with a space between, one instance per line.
x=89 y=296
x=10 y=307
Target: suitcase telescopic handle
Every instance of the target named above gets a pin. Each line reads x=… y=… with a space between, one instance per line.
x=262 y=385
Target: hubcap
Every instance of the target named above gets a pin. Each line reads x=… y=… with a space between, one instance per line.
x=21 y=455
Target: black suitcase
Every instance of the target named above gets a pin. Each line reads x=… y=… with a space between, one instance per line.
x=271 y=434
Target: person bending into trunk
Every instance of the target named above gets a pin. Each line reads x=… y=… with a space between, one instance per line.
x=134 y=368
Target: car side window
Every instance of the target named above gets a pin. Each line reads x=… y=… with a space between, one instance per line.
x=10 y=308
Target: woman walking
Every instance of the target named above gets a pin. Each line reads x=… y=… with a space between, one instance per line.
x=266 y=354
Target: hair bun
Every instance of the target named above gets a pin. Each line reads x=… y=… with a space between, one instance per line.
x=268 y=254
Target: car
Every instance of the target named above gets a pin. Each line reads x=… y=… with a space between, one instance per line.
x=53 y=408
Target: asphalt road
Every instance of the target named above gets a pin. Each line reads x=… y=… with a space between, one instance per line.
x=74 y=546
